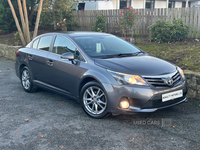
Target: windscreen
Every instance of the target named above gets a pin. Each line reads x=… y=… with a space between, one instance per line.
x=99 y=46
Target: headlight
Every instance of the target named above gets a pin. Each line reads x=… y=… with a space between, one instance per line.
x=181 y=72
x=122 y=78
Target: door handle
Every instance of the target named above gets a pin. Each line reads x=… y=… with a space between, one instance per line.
x=30 y=57
x=50 y=62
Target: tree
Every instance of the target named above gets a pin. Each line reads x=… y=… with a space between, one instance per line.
x=58 y=9
x=38 y=19
x=7 y=23
x=25 y=35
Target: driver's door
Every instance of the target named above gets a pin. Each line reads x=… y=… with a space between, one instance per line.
x=62 y=72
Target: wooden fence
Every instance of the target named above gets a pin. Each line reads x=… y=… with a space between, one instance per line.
x=85 y=19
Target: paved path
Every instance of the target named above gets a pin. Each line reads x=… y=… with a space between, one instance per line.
x=58 y=123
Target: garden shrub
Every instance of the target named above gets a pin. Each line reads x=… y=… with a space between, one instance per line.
x=7 y=23
x=47 y=20
x=179 y=31
x=16 y=35
x=100 y=23
x=165 y=32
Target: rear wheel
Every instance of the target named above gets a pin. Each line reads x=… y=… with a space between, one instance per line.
x=94 y=100
x=26 y=80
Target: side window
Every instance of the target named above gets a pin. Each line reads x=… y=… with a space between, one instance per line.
x=35 y=44
x=45 y=42
x=63 y=45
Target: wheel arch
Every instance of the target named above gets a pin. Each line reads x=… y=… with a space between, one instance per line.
x=86 y=80
x=20 y=69
x=93 y=75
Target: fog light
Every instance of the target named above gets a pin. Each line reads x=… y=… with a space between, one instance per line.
x=124 y=103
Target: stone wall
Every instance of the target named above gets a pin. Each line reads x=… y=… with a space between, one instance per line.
x=8 y=51
x=193 y=84
x=193 y=78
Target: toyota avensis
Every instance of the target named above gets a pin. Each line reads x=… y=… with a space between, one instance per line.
x=103 y=72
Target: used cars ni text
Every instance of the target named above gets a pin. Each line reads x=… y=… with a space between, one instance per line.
x=106 y=74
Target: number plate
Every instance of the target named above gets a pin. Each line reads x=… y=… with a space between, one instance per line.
x=172 y=95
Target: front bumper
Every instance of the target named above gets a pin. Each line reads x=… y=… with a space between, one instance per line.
x=137 y=110
x=142 y=98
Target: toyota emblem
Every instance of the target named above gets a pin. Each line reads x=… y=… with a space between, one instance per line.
x=169 y=81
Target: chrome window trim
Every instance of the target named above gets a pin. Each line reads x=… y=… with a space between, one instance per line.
x=74 y=46
x=39 y=41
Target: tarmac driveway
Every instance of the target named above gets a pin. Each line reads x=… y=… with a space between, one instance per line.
x=45 y=120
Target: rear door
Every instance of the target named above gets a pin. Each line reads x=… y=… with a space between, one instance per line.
x=37 y=57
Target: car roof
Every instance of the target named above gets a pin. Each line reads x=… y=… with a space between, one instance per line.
x=78 y=33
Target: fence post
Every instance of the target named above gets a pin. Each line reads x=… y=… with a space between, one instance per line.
x=191 y=22
x=198 y=26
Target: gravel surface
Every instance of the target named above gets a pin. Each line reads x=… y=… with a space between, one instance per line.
x=46 y=120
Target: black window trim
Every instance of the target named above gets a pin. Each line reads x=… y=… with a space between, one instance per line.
x=37 y=43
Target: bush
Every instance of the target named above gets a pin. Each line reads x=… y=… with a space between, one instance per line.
x=100 y=23
x=165 y=32
x=47 y=20
x=16 y=35
x=7 y=23
x=179 y=31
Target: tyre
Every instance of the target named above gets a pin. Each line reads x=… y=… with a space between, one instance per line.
x=26 y=80
x=94 y=100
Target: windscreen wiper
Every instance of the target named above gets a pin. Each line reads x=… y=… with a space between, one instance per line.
x=122 y=55
x=125 y=54
x=118 y=55
x=137 y=53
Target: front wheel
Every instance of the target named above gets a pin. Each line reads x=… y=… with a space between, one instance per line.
x=94 y=100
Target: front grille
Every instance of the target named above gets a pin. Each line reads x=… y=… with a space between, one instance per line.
x=161 y=80
x=176 y=78
x=155 y=81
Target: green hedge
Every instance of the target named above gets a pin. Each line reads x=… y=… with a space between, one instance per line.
x=166 y=32
x=100 y=23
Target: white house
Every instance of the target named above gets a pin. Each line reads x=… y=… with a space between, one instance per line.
x=120 y=4
x=140 y=4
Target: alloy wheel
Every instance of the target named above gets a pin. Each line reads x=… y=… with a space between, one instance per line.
x=94 y=100
x=26 y=79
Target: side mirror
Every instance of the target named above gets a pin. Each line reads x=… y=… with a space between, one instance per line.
x=68 y=55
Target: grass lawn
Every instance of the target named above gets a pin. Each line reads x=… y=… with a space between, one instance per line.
x=185 y=54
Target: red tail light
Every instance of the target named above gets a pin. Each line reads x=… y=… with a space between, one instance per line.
x=16 y=54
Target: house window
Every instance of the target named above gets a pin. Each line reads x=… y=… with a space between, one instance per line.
x=183 y=4
x=125 y=3
x=189 y=4
x=150 y=4
x=171 y=5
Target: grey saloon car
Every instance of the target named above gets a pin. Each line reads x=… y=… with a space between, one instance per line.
x=106 y=74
